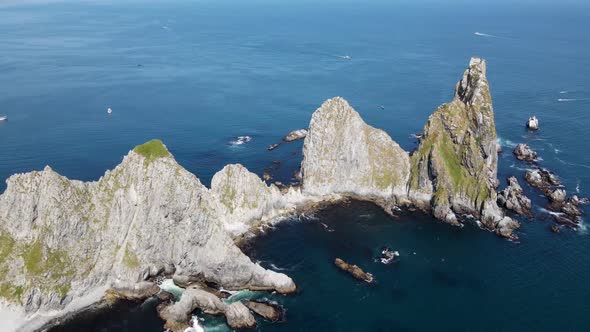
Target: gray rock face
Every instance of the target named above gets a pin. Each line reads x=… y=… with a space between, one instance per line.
x=452 y=173
x=513 y=198
x=344 y=155
x=62 y=238
x=239 y=317
x=524 y=152
x=177 y=316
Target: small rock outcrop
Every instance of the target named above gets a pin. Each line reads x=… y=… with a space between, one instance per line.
x=295 y=135
x=568 y=208
x=354 y=270
x=266 y=310
x=239 y=317
x=178 y=315
x=532 y=123
x=525 y=153
x=541 y=179
x=513 y=198
x=273 y=146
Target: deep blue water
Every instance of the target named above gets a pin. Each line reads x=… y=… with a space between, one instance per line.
x=198 y=73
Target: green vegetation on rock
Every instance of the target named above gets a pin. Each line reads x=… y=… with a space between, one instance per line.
x=130 y=259
x=152 y=150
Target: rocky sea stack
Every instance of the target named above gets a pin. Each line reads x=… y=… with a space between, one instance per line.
x=64 y=242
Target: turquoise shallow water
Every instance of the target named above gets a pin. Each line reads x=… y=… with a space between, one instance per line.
x=198 y=73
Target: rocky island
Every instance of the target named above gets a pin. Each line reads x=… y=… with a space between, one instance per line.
x=63 y=242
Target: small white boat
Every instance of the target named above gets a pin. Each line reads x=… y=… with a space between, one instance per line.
x=109 y=110
x=3 y=118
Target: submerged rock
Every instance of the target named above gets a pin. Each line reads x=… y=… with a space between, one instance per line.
x=354 y=270
x=532 y=123
x=267 y=310
x=295 y=135
x=524 y=152
x=513 y=198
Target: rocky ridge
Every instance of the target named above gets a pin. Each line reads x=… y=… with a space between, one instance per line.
x=61 y=239
x=453 y=173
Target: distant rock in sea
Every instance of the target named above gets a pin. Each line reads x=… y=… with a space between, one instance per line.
x=532 y=123
x=295 y=135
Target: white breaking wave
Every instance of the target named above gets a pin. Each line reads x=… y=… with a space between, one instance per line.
x=276 y=268
x=481 y=34
x=578 y=188
x=241 y=295
x=240 y=140
x=524 y=169
x=195 y=327
x=506 y=143
x=551 y=212
x=566 y=99
x=564 y=91
x=169 y=286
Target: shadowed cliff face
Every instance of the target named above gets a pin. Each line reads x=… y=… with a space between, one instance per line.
x=61 y=238
x=452 y=173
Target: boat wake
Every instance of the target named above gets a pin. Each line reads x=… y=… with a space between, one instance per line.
x=571 y=164
x=562 y=100
x=481 y=34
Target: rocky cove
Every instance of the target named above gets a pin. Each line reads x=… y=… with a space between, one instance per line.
x=65 y=242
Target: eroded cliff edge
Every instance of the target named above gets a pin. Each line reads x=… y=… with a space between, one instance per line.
x=61 y=239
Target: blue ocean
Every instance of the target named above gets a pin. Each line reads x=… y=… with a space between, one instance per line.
x=198 y=74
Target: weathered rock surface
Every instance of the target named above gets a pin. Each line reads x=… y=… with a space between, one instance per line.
x=267 y=310
x=245 y=199
x=295 y=135
x=524 y=152
x=344 y=155
x=354 y=270
x=239 y=317
x=455 y=167
x=178 y=315
x=513 y=198
x=568 y=208
x=541 y=179
x=60 y=239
